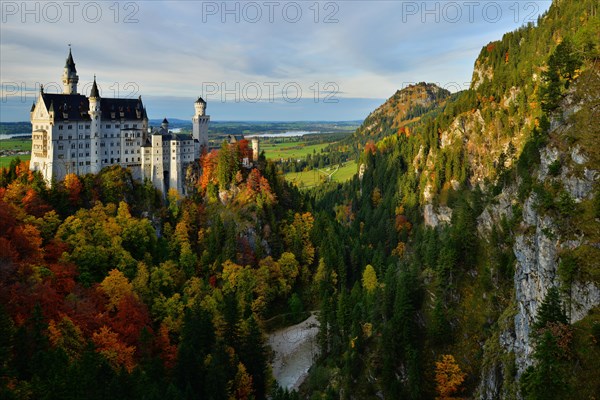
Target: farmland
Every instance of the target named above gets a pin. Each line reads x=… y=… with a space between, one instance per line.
x=13 y=148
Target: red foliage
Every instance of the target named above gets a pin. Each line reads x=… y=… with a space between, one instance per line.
x=244 y=149
x=63 y=278
x=54 y=249
x=168 y=351
x=132 y=316
x=370 y=147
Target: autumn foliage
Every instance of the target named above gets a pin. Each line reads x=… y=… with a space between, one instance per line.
x=448 y=378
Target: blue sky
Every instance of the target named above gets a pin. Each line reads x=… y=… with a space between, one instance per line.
x=262 y=60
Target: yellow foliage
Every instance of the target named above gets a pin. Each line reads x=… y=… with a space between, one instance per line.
x=116 y=286
x=369 y=279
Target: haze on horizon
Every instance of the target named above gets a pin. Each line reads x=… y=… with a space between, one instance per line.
x=279 y=60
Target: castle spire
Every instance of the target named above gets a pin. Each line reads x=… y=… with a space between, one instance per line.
x=70 y=77
x=94 y=92
x=70 y=64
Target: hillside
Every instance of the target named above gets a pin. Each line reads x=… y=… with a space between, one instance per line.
x=480 y=221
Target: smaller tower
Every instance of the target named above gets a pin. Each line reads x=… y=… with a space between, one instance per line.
x=95 y=113
x=70 y=77
x=165 y=124
x=255 y=148
x=200 y=125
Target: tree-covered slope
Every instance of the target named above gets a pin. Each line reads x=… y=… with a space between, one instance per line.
x=468 y=217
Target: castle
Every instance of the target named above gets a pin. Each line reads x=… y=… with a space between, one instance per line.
x=72 y=133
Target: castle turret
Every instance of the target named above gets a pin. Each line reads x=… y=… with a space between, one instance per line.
x=70 y=77
x=165 y=124
x=96 y=119
x=255 y=149
x=200 y=125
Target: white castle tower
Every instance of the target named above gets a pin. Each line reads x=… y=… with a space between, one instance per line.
x=70 y=77
x=200 y=125
x=95 y=121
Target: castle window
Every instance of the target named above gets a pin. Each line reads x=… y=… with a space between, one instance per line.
x=60 y=137
x=87 y=154
x=60 y=146
x=81 y=163
x=60 y=127
x=127 y=160
x=138 y=159
x=87 y=145
x=81 y=145
x=72 y=145
x=107 y=126
x=126 y=126
x=70 y=127
x=87 y=127
x=61 y=156
x=80 y=126
x=72 y=155
x=87 y=163
x=135 y=125
x=80 y=154
x=117 y=125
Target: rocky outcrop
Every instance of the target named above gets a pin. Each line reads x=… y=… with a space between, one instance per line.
x=433 y=218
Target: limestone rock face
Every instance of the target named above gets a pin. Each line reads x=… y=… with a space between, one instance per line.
x=537 y=247
x=433 y=218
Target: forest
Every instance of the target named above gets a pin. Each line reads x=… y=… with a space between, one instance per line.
x=110 y=289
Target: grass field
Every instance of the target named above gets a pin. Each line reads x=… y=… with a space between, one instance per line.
x=13 y=145
x=316 y=177
x=293 y=150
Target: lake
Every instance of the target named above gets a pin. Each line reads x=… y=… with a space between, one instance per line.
x=284 y=134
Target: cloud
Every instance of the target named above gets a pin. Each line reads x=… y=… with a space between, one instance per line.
x=177 y=48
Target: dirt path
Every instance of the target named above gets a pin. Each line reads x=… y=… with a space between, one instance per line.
x=295 y=348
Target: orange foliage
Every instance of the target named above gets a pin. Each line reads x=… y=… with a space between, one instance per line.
x=74 y=187
x=209 y=166
x=244 y=149
x=116 y=352
x=402 y=223
x=448 y=377
x=370 y=147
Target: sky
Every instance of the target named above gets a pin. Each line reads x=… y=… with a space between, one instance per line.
x=250 y=60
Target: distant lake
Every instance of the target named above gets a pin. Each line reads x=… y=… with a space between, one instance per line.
x=10 y=135
x=285 y=134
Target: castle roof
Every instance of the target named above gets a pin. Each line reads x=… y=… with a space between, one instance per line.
x=94 y=92
x=200 y=100
x=76 y=107
x=70 y=64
